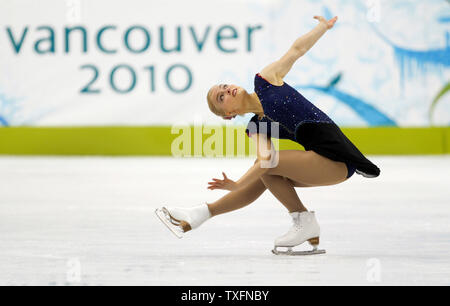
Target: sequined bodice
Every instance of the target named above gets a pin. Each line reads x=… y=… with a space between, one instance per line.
x=301 y=121
x=285 y=105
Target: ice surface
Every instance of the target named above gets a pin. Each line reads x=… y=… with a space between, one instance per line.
x=90 y=221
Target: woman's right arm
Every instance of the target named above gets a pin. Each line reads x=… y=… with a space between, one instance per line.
x=277 y=70
x=266 y=153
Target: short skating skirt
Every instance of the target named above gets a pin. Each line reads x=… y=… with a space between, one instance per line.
x=327 y=139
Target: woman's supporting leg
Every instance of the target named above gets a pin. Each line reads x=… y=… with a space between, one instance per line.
x=301 y=169
x=309 y=168
x=237 y=199
x=283 y=189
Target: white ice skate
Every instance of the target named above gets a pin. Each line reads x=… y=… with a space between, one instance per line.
x=180 y=220
x=305 y=228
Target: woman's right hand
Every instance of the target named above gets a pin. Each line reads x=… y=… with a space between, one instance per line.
x=225 y=184
x=330 y=23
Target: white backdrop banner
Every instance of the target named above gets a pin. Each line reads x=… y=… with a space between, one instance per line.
x=102 y=62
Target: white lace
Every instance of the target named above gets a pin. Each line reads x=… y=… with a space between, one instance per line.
x=297 y=226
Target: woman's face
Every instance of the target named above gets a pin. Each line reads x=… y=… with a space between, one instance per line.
x=229 y=98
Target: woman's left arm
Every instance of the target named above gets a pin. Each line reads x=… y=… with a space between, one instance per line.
x=277 y=70
x=307 y=41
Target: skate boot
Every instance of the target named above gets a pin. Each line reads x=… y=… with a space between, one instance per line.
x=305 y=228
x=183 y=219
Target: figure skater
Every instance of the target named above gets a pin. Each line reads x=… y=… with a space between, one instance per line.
x=329 y=158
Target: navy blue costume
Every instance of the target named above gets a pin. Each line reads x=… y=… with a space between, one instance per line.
x=301 y=121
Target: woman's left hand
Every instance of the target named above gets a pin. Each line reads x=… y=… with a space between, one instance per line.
x=225 y=184
x=329 y=23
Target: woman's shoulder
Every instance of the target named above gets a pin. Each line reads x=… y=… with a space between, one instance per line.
x=255 y=118
x=253 y=126
x=270 y=78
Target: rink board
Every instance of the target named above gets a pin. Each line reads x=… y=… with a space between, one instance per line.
x=157 y=140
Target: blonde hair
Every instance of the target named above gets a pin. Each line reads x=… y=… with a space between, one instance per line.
x=212 y=106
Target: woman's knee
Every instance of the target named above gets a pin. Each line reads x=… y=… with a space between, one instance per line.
x=268 y=179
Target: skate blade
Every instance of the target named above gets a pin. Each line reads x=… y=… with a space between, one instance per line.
x=164 y=216
x=298 y=253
